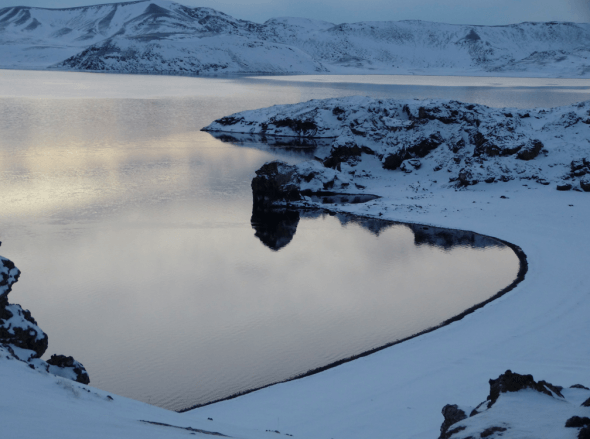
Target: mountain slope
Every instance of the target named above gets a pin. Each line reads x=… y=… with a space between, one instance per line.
x=159 y=36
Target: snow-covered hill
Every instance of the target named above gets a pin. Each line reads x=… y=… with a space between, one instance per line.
x=434 y=142
x=159 y=36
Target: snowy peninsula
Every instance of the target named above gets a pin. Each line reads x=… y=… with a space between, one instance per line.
x=163 y=37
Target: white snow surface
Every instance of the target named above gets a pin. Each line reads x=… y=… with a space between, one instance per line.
x=540 y=327
x=163 y=37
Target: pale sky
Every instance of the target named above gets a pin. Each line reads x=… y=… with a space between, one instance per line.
x=488 y=12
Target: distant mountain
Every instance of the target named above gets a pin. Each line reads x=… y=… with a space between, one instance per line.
x=163 y=37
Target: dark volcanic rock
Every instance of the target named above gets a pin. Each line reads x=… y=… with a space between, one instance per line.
x=584 y=433
x=577 y=422
x=394 y=160
x=274 y=181
x=466 y=177
x=419 y=149
x=452 y=414
x=348 y=153
x=9 y=275
x=491 y=430
x=65 y=362
x=564 y=187
x=450 y=433
x=585 y=184
x=513 y=382
x=530 y=150
x=19 y=328
x=586 y=403
x=579 y=386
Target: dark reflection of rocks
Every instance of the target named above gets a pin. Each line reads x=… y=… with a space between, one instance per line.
x=449 y=238
x=299 y=145
x=276 y=228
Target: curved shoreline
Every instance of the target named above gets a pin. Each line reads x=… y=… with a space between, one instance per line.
x=522 y=270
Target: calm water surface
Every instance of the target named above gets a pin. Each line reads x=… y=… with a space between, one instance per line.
x=133 y=232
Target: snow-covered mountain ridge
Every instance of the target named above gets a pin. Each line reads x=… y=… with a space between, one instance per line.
x=159 y=36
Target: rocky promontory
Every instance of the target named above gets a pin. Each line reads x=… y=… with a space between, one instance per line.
x=519 y=407
x=22 y=339
x=443 y=143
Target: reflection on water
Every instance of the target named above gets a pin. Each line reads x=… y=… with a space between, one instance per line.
x=133 y=231
x=276 y=228
x=305 y=147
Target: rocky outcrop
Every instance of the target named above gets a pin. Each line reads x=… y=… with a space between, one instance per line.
x=18 y=328
x=22 y=339
x=514 y=382
x=274 y=181
x=68 y=364
x=452 y=414
x=517 y=417
x=472 y=143
x=9 y=275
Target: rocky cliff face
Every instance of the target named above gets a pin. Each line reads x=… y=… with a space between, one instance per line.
x=158 y=36
x=22 y=339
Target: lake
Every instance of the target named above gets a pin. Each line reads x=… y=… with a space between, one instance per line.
x=140 y=256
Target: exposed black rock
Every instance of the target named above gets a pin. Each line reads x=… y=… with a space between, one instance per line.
x=345 y=153
x=564 y=187
x=577 y=422
x=579 y=386
x=19 y=328
x=530 y=150
x=452 y=414
x=586 y=403
x=513 y=382
x=65 y=362
x=274 y=182
x=394 y=160
x=465 y=177
x=450 y=433
x=584 y=433
x=275 y=228
x=9 y=275
x=491 y=430
x=585 y=184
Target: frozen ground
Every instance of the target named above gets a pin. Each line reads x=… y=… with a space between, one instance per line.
x=540 y=327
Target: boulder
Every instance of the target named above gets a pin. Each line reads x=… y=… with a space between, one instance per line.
x=274 y=181
x=19 y=328
x=577 y=422
x=452 y=414
x=68 y=364
x=585 y=184
x=9 y=275
x=410 y=165
x=530 y=150
x=513 y=382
